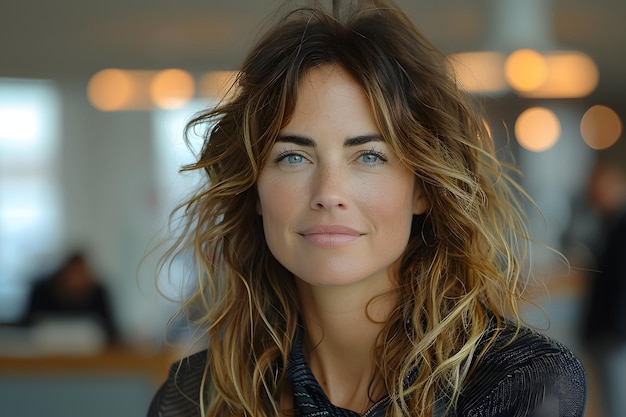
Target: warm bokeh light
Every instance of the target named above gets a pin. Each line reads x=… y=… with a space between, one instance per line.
x=526 y=70
x=537 y=129
x=172 y=88
x=480 y=72
x=571 y=74
x=217 y=85
x=116 y=90
x=110 y=89
x=600 y=127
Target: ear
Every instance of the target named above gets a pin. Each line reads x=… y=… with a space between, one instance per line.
x=420 y=205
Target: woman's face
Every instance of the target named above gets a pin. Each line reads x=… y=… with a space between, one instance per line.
x=336 y=203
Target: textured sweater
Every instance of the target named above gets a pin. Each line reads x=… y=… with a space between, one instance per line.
x=534 y=376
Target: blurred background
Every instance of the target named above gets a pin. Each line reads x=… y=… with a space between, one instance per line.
x=93 y=98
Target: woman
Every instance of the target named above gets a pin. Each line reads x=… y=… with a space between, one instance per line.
x=358 y=244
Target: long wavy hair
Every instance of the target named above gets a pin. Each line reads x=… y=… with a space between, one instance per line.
x=465 y=257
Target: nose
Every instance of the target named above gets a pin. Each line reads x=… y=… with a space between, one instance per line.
x=329 y=189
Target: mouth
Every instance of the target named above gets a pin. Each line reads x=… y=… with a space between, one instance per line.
x=330 y=236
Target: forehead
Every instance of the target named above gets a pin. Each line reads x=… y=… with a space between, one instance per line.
x=328 y=95
x=329 y=78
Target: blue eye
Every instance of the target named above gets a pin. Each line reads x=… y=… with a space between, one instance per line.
x=369 y=158
x=293 y=159
x=290 y=158
x=372 y=158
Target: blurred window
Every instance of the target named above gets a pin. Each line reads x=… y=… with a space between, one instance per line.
x=30 y=208
x=172 y=153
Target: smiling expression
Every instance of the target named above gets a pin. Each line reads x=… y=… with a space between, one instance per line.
x=336 y=202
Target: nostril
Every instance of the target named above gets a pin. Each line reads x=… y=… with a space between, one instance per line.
x=328 y=205
x=328 y=190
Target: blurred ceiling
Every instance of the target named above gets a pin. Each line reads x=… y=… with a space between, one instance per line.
x=64 y=39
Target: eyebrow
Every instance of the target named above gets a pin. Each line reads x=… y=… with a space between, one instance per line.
x=308 y=142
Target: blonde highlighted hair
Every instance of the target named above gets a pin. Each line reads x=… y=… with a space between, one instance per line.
x=463 y=263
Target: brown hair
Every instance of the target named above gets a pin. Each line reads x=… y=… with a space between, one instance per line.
x=465 y=255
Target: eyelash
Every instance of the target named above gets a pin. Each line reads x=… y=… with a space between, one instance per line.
x=381 y=156
x=284 y=154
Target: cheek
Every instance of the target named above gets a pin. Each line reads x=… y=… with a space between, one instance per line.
x=391 y=196
x=393 y=207
x=276 y=207
x=275 y=197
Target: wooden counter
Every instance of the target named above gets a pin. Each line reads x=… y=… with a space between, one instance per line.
x=115 y=382
x=115 y=360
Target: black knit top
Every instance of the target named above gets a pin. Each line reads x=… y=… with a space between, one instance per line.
x=534 y=376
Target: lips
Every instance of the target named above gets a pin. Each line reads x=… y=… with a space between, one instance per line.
x=330 y=236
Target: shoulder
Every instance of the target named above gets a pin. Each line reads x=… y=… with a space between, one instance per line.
x=524 y=373
x=513 y=349
x=179 y=395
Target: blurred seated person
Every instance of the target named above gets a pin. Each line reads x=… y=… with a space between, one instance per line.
x=604 y=322
x=71 y=292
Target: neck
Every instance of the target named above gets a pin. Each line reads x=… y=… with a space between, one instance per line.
x=342 y=327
